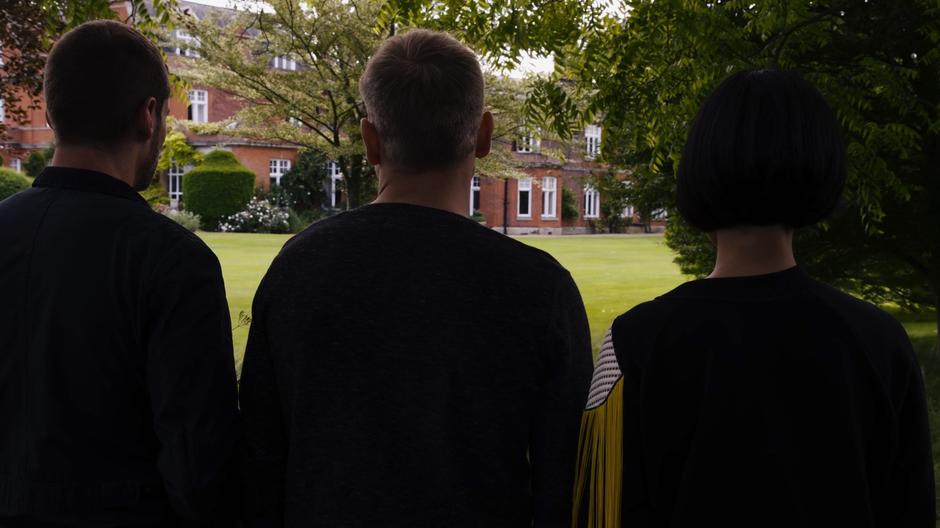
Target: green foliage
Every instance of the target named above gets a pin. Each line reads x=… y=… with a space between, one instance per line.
x=155 y=194
x=219 y=187
x=615 y=197
x=306 y=182
x=37 y=161
x=300 y=220
x=187 y=219
x=12 y=182
x=176 y=150
x=478 y=216
x=569 y=205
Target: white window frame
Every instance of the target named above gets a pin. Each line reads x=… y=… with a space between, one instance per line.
x=3 y=111
x=16 y=164
x=174 y=181
x=277 y=168
x=592 y=140
x=474 y=188
x=529 y=143
x=592 y=202
x=182 y=36
x=199 y=106
x=549 y=197
x=524 y=186
x=332 y=168
x=284 y=62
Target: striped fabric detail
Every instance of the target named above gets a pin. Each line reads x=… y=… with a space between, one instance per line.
x=606 y=374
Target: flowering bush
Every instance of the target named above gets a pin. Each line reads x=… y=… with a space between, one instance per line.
x=259 y=216
x=186 y=219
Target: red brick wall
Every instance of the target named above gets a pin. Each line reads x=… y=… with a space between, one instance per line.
x=258 y=158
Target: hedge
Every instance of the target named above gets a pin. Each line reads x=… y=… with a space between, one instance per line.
x=220 y=186
x=12 y=182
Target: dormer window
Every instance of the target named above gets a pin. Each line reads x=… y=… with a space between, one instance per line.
x=283 y=62
x=528 y=144
x=592 y=139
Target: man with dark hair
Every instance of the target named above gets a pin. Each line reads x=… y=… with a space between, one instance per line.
x=406 y=366
x=117 y=382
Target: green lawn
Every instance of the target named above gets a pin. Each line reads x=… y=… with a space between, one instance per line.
x=613 y=273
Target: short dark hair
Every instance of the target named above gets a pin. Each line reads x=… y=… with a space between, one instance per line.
x=765 y=149
x=423 y=91
x=97 y=75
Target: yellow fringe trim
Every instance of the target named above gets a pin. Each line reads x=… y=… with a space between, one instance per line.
x=600 y=463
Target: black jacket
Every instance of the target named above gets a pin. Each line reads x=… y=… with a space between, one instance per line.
x=117 y=384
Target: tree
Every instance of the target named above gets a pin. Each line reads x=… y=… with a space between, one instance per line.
x=305 y=184
x=29 y=28
x=315 y=101
x=615 y=198
x=876 y=62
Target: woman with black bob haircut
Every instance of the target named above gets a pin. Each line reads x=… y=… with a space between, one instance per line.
x=757 y=396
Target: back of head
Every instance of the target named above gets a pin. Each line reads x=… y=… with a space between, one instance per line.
x=97 y=76
x=765 y=149
x=423 y=91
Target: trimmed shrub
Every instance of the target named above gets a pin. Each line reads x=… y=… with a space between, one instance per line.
x=12 y=182
x=37 y=161
x=220 y=186
x=259 y=217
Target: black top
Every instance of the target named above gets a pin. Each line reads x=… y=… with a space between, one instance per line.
x=117 y=382
x=408 y=367
x=771 y=400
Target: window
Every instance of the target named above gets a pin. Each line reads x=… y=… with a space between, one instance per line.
x=525 y=198
x=592 y=202
x=186 y=44
x=284 y=63
x=474 y=194
x=592 y=136
x=277 y=168
x=528 y=144
x=549 y=205
x=336 y=191
x=16 y=165
x=628 y=212
x=3 y=112
x=198 y=106
x=175 y=181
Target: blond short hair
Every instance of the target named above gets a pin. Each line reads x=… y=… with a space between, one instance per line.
x=423 y=91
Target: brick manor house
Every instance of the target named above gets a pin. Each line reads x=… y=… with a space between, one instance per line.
x=530 y=205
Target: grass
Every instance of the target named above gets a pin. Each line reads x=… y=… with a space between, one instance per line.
x=614 y=273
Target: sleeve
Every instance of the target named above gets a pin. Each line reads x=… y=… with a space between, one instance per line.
x=562 y=394
x=610 y=490
x=190 y=376
x=911 y=492
x=264 y=452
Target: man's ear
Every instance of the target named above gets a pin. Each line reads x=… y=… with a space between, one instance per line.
x=370 y=138
x=485 y=135
x=145 y=122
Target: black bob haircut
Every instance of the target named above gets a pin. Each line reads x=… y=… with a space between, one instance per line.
x=765 y=149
